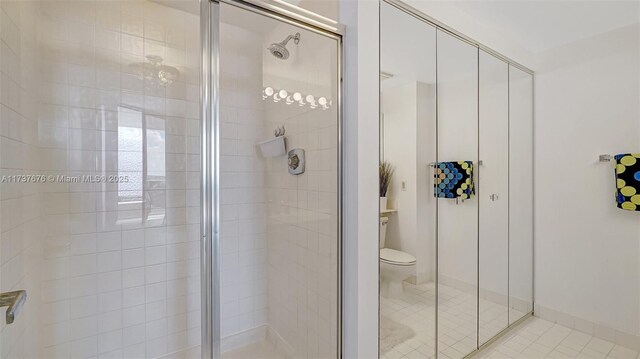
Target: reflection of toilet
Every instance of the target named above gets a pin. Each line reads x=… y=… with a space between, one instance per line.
x=395 y=266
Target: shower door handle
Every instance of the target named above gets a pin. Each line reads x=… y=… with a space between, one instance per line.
x=494 y=197
x=14 y=301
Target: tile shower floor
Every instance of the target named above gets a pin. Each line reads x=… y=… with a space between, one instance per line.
x=259 y=350
x=407 y=330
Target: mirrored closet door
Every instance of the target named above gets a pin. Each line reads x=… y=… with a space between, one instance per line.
x=457 y=206
x=456 y=209
x=408 y=146
x=493 y=197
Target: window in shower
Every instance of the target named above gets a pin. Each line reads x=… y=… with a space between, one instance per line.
x=141 y=167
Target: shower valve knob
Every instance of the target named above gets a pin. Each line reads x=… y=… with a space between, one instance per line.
x=294 y=161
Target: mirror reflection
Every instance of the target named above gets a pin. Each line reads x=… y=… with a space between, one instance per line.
x=493 y=226
x=407 y=203
x=455 y=233
x=457 y=196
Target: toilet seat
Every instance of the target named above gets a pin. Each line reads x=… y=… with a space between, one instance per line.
x=395 y=257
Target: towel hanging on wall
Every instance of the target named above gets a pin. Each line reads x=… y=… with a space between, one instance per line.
x=628 y=181
x=454 y=180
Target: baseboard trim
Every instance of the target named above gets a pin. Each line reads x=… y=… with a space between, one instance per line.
x=513 y=302
x=597 y=330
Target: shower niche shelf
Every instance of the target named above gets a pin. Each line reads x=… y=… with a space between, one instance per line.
x=273 y=148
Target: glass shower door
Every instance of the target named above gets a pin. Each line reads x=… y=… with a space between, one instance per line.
x=279 y=207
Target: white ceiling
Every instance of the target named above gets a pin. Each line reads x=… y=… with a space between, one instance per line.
x=542 y=25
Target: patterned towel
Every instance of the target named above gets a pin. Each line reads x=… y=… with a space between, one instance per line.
x=628 y=181
x=454 y=180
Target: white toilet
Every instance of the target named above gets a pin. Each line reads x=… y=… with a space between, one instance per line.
x=395 y=265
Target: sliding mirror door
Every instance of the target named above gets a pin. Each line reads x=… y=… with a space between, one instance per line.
x=456 y=220
x=457 y=89
x=407 y=224
x=521 y=190
x=493 y=196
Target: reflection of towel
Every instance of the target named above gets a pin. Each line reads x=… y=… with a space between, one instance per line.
x=454 y=180
x=628 y=181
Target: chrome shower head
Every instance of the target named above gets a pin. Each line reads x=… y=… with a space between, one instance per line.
x=279 y=49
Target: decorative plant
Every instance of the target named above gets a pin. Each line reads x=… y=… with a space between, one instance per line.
x=386 y=172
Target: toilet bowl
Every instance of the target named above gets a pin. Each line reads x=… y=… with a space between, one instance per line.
x=395 y=265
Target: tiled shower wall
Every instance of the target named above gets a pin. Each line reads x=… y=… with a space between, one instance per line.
x=120 y=277
x=302 y=209
x=20 y=204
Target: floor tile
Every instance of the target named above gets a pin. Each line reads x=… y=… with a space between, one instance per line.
x=535 y=338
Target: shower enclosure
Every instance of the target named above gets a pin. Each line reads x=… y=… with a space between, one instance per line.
x=271 y=198
x=458 y=125
x=142 y=210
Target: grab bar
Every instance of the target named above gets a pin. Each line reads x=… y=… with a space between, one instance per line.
x=14 y=300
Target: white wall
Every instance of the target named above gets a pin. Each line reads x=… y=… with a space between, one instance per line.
x=409 y=135
x=360 y=172
x=399 y=105
x=587 y=250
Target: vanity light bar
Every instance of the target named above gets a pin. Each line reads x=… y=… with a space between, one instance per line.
x=296 y=97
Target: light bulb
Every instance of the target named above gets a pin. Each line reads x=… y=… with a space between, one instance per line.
x=324 y=103
x=312 y=101
x=283 y=94
x=268 y=91
x=297 y=96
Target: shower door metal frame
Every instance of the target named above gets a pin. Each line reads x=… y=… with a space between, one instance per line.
x=210 y=149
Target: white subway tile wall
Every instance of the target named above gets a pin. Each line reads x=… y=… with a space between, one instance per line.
x=302 y=209
x=112 y=269
x=120 y=260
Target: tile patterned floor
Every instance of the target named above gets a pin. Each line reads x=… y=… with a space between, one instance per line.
x=538 y=338
x=533 y=339
x=408 y=332
x=457 y=325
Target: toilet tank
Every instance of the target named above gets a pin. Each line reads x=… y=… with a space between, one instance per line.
x=383 y=230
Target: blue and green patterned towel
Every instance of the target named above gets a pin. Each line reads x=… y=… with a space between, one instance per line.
x=628 y=181
x=454 y=180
